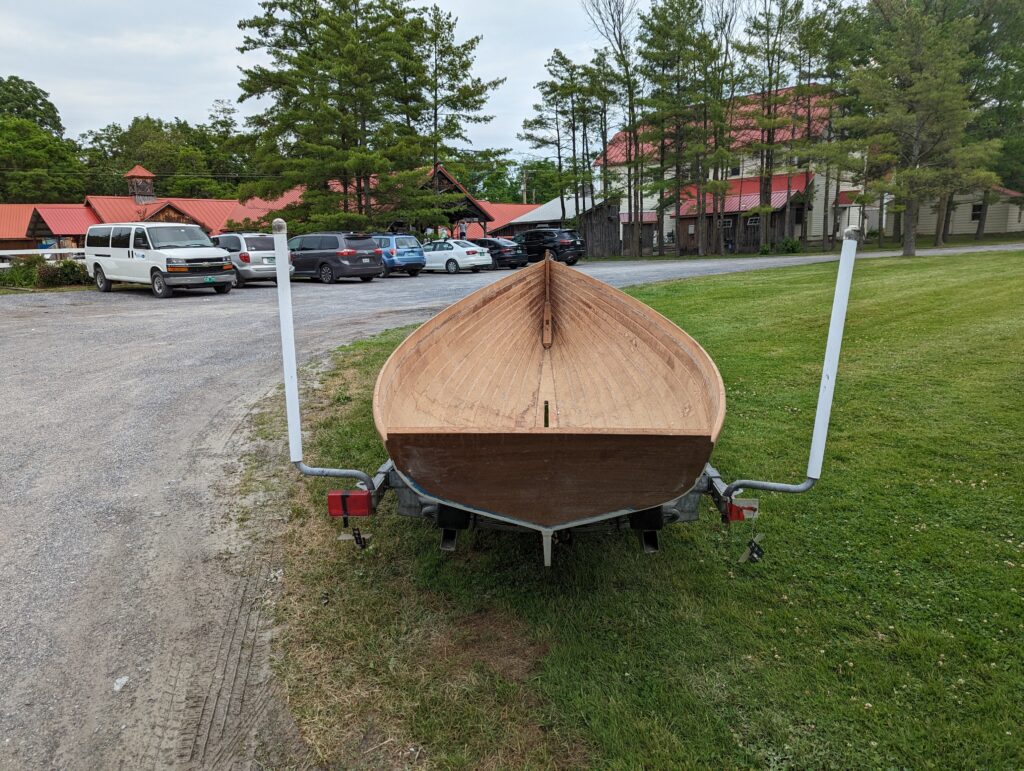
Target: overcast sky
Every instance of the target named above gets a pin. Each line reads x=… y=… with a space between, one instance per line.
x=106 y=61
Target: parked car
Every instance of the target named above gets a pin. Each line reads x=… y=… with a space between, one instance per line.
x=401 y=253
x=330 y=256
x=504 y=253
x=252 y=254
x=164 y=255
x=452 y=255
x=561 y=244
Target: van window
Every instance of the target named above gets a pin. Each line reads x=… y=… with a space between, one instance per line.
x=140 y=241
x=361 y=243
x=98 y=237
x=231 y=243
x=120 y=238
x=178 y=237
x=326 y=242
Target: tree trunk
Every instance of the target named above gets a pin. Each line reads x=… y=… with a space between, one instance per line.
x=940 y=219
x=980 y=232
x=909 y=229
x=824 y=213
x=897 y=227
x=948 y=219
x=881 y=220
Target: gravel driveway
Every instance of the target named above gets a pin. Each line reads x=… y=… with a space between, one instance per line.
x=132 y=626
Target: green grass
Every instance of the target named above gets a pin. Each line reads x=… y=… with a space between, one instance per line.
x=924 y=243
x=884 y=628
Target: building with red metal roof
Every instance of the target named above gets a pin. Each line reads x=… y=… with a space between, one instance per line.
x=14 y=219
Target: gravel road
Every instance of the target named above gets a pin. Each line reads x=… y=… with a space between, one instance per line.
x=133 y=626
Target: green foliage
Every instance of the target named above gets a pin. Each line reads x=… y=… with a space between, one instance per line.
x=789 y=246
x=24 y=99
x=33 y=271
x=63 y=273
x=357 y=91
x=765 y=249
x=35 y=165
x=207 y=160
x=22 y=271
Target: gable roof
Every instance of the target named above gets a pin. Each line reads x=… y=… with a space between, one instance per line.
x=63 y=219
x=14 y=219
x=139 y=171
x=501 y=215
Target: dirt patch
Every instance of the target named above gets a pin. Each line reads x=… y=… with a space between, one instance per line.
x=493 y=640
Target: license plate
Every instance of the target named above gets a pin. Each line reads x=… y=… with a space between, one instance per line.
x=366 y=259
x=208 y=279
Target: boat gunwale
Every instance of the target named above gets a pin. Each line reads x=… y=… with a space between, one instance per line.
x=702 y=359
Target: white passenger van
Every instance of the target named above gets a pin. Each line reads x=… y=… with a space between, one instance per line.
x=164 y=255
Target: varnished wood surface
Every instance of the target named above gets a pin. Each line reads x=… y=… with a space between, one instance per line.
x=476 y=388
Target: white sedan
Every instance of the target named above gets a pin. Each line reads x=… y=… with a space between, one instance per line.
x=452 y=255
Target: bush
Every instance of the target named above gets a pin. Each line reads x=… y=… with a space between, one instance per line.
x=63 y=273
x=790 y=246
x=22 y=271
x=35 y=272
x=766 y=249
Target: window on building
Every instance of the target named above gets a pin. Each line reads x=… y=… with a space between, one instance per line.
x=976 y=212
x=753 y=222
x=734 y=171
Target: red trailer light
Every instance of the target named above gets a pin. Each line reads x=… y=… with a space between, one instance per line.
x=346 y=253
x=349 y=503
x=244 y=256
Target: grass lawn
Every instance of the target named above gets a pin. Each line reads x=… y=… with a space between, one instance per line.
x=924 y=243
x=884 y=628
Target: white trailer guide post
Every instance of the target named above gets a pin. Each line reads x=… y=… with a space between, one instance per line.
x=363 y=501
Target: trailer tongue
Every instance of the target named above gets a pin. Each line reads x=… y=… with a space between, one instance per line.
x=420 y=497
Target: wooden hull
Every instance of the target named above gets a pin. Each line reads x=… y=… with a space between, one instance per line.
x=550 y=398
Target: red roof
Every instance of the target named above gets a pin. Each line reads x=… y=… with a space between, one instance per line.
x=501 y=213
x=845 y=197
x=139 y=171
x=745 y=130
x=745 y=193
x=14 y=219
x=67 y=219
x=212 y=214
x=646 y=217
x=1007 y=192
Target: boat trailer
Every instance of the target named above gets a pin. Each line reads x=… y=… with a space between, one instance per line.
x=451 y=518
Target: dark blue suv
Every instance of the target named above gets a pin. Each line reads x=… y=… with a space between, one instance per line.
x=401 y=253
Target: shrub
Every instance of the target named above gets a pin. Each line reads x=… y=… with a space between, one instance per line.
x=22 y=271
x=766 y=249
x=63 y=273
x=790 y=246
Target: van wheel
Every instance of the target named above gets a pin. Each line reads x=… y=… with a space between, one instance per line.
x=102 y=282
x=385 y=272
x=160 y=287
x=237 y=280
x=326 y=274
x=222 y=288
x=451 y=266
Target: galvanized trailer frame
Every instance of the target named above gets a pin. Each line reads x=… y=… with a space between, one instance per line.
x=450 y=517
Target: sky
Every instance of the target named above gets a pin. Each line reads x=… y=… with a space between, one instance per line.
x=107 y=61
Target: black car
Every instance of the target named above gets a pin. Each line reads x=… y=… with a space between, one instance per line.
x=504 y=253
x=561 y=244
x=330 y=256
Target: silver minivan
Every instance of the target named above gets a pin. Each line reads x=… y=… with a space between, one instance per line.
x=252 y=255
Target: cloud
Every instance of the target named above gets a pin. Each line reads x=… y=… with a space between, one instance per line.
x=108 y=61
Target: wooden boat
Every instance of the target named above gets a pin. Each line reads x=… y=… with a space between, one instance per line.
x=550 y=399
